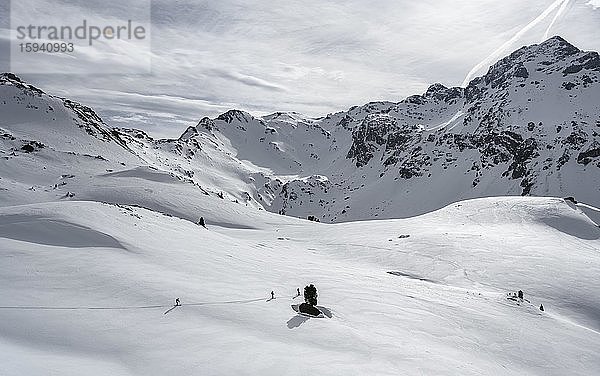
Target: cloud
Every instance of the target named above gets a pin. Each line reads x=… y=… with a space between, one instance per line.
x=560 y=11
x=307 y=56
x=594 y=3
x=247 y=79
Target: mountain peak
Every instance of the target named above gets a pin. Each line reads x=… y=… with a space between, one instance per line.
x=557 y=40
x=232 y=115
x=549 y=57
x=190 y=132
x=557 y=46
x=439 y=92
x=435 y=88
x=8 y=78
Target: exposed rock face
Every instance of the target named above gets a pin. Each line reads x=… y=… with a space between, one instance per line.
x=516 y=123
x=529 y=126
x=526 y=127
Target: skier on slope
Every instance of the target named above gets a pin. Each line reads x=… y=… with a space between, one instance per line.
x=177 y=302
x=201 y=222
x=272 y=295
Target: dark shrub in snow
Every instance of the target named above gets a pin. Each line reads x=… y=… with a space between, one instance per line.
x=310 y=294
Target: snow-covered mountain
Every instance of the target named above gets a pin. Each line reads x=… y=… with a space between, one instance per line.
x=530 y=126
x=98 y=234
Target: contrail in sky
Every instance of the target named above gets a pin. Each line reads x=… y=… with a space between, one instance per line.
x=498 y=52
x=556 y=16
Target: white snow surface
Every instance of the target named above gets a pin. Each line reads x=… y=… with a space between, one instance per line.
x=444 y=311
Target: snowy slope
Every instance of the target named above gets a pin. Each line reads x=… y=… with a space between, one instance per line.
x=444 y=311
x=527 y=127
x=65 y=126
x=53 y=149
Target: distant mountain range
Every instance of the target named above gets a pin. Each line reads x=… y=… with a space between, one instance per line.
x=530 y=126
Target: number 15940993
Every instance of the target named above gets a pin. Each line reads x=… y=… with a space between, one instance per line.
x=47 y=47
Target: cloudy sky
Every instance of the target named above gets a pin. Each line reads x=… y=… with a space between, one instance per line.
x=313 y=57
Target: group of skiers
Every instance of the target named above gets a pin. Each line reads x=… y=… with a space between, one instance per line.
x=297 y=293
x=178 y=301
